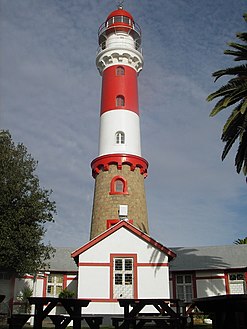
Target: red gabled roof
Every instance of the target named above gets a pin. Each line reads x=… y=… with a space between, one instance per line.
x=75 y=254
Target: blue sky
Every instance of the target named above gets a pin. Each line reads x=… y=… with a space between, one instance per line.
x=50 y=97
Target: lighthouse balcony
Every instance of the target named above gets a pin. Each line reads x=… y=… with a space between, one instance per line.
x=103 y=162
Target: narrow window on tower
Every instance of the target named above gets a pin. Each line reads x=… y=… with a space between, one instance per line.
x=120 y=137
x=120 y=70
x=120 y=101
x=118 y=185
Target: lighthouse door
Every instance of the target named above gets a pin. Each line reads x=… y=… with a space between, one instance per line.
x=123 y=278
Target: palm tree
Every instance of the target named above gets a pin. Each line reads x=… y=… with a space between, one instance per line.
x=241 y=241
x=234 y=93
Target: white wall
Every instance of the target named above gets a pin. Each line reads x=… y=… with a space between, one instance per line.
x=94 y=271
x=210 y=284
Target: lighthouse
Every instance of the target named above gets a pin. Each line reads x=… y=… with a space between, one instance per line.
x=121 y=259
x=119 y=169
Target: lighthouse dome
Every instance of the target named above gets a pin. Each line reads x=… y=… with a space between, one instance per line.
x=120 y=12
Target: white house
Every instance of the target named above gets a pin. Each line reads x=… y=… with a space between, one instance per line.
x=122 y=262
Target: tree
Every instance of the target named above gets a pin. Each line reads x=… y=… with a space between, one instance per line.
x=241 y=241
x=234 y=93
x=24 y=209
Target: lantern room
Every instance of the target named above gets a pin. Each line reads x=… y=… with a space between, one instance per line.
x=119 y=23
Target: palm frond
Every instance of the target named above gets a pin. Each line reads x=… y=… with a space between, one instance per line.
x=229 y=88
x=228 y=145
x=237 y=95
x=241 y=156
x=238 y=54
x=242 y=36
x=238 y=46
x=243 y=106
x=234 y=116
x=240 y=70
x=233 y=126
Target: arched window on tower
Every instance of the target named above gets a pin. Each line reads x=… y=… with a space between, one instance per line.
x=120 y=101
x=120 y=137
x=120 y=70
x=118 y=185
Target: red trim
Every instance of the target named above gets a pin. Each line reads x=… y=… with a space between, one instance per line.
x=174 y=288
x=103 y=162
x=210 y=277
x=93 y=264
x=227 y=285
x=45 y=278
x=152 y=264
x=135 y=283
x=113 y=185
x=130 y=228
x=65 y=283
x=28 y=277
x=194 y=285
x=112 y=222
x=108 y=264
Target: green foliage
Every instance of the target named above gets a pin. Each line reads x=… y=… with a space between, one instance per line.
x=66 y=293
x=25 y=294
x=241 y=241
x=24 y=209
x=234 y=93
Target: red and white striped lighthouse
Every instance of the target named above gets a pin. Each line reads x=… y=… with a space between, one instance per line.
x=119 y=170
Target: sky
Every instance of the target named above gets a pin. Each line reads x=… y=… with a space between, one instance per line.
x=50 y=97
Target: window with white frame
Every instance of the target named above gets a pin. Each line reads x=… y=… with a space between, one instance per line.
x=237 y=283
x=120 y=137
x=184 y=287
x=123 y=276
x=54 y=285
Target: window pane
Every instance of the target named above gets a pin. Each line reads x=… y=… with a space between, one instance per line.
x=233 y=277
x=126 y=20
x=118 y=265
x=128 y=279
x=188 y=293
x=110 y=21
x=118 y=19
x=180 y=292
x=119 y=186
x=128 y=264
x=187 y=278
x=58 y=290
x=240 y=276
x=120 y=70
x=120 y=100
x=118 y=278
x=50 y=290
x=179 y=279
x=120 y=137
x=50 y=279
x=59 y=279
